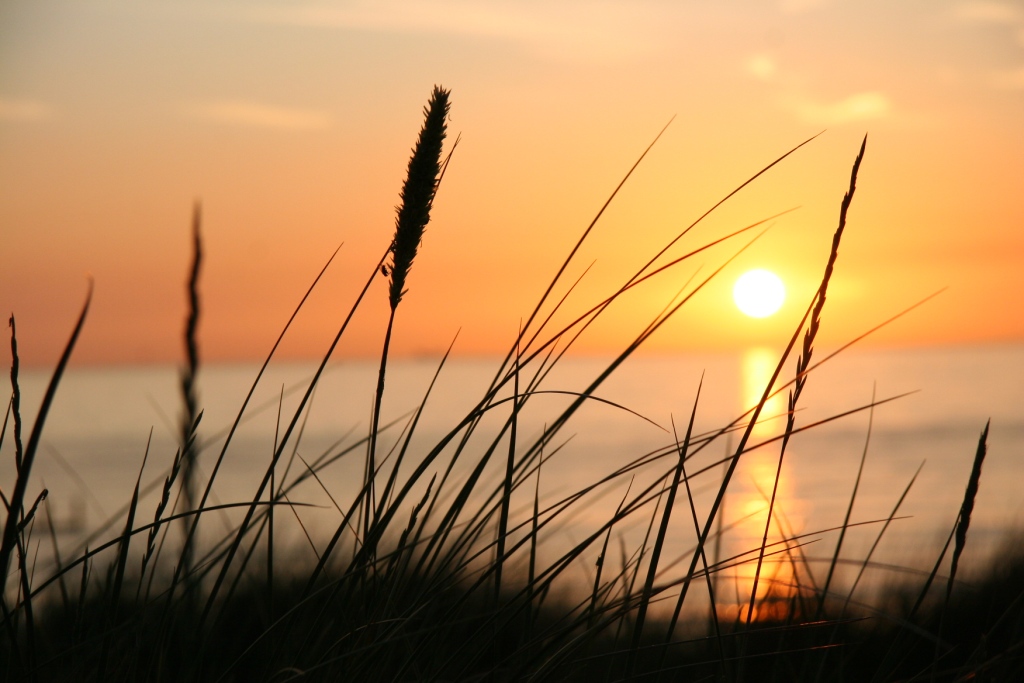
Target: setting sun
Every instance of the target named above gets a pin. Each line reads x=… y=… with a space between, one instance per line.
x=759 y=293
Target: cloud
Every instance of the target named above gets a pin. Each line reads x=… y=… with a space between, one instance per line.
x=24 y=110
x=863 y=106
x=255 y=115
x=987 y=11
x=761 y=67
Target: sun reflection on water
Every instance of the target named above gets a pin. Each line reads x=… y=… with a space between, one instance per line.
x=749 y=496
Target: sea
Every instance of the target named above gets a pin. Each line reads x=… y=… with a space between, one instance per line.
x=894 y=431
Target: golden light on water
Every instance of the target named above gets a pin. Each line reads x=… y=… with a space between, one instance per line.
x=759 y=293
x=753 y=490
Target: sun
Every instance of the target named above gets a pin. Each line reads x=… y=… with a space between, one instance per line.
x=759 y=293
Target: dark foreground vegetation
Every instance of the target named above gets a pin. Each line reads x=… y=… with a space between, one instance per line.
x=433 y=574
x=399 y=628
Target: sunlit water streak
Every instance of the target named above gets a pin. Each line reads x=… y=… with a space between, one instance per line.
x=100 y=422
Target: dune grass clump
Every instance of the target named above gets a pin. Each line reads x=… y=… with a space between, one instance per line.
x=432 y=574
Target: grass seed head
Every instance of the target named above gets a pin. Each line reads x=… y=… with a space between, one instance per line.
x=418 y=192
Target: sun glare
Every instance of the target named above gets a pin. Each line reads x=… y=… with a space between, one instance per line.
x=759 y=293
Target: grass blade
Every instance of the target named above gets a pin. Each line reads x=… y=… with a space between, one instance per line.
x=21 y=485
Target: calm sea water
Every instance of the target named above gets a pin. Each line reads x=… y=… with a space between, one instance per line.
x=100 y=423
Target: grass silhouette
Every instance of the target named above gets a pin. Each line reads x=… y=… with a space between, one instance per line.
x=432 y=574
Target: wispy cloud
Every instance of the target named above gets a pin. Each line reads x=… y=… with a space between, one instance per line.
x=24 y=110
x=863 y=106
x=791 y=92
x=256 y=115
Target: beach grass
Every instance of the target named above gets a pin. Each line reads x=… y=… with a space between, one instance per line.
x=432 y=573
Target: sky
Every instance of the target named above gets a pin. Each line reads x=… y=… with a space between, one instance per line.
x=291 y=123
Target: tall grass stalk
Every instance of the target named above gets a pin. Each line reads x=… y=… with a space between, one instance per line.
x=803 y=362
x=659 y=542
x=189 y=378
x=506 y=497
x=963 y=522
x=421 y=182
x=967 y=508
x=17 y=520
x=14 y=505
x=849 y=509
x=195 y=519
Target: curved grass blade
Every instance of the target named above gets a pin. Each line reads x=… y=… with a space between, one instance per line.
x=21 y=485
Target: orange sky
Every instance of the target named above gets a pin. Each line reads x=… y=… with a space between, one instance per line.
x=292 y=123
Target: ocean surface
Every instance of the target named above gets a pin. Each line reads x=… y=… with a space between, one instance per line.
x=96 y=437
